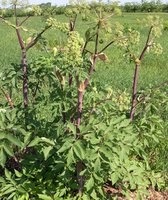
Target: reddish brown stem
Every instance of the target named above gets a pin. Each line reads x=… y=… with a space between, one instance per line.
x=7 y=98
x=79 y=168
x=136 y=73
x=17 y=30
x=35 y=40
x=25 y=82
x=24 y=62
x=70 y=79
x=80 y=103
x=80 y=165
x=86 y=82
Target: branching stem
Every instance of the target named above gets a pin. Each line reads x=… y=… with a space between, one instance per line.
x=8 y=98
x=136 y=73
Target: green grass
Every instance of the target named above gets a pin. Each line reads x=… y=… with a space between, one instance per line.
x=117 y=72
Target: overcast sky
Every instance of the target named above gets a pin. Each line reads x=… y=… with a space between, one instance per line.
x=64 y=2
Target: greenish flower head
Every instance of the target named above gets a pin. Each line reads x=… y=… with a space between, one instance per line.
x=72 y=51
x=157 y=48
x=156 y=23
x=37 y=10
x=133 y=36
x=64 y=27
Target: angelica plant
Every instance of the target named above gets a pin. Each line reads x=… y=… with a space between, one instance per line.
x=155 y=26
x=31 y=41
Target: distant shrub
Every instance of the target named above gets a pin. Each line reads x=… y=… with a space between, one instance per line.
x=165 y=24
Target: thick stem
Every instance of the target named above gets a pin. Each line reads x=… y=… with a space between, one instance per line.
x=81 y=180
x=86 y=82
x=19 y=37
x=63 y=114
x=80 y=104
x=80 y=165
x=25 y=81
x=24 y=61
x=136 y=73
x=70 y=80
x=17 y=30
x=134 y=94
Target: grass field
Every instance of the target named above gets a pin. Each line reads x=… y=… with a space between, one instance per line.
x=117 y=72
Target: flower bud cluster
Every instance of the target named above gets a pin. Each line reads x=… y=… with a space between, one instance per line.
x=37 y=10
x=64 y=27
x=157 y=48
x=157 y=25
x=122 y=101
x=133 y=36
x=72 y=51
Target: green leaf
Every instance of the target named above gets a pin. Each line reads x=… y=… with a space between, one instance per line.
x=114 y=178
x=10 y=190
x=8 y=150
x=18 y=174
x=2 y=136
x=9 y=117
x=123 y=124
x=107 y=153
x=97 y=165
x=2 y=157
x=90 y=183
x=72 y=127
x=11 y=196
x=155 y=139
x=14 y=140
x=21 y=190
x=27 y=138
x=94 y=195
x=46 y=152
x=44 y=197
x=94 y=141
x=7 y=174
x=48 y=141
x=6 y=187
x=2 y=180
x=70 y=157
x=67 y=145
x=34 y=142
x=79 y=150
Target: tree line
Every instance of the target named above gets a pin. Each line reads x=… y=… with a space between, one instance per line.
x=143 y=6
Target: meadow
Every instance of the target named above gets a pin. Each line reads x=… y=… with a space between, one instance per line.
x=117 y=72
